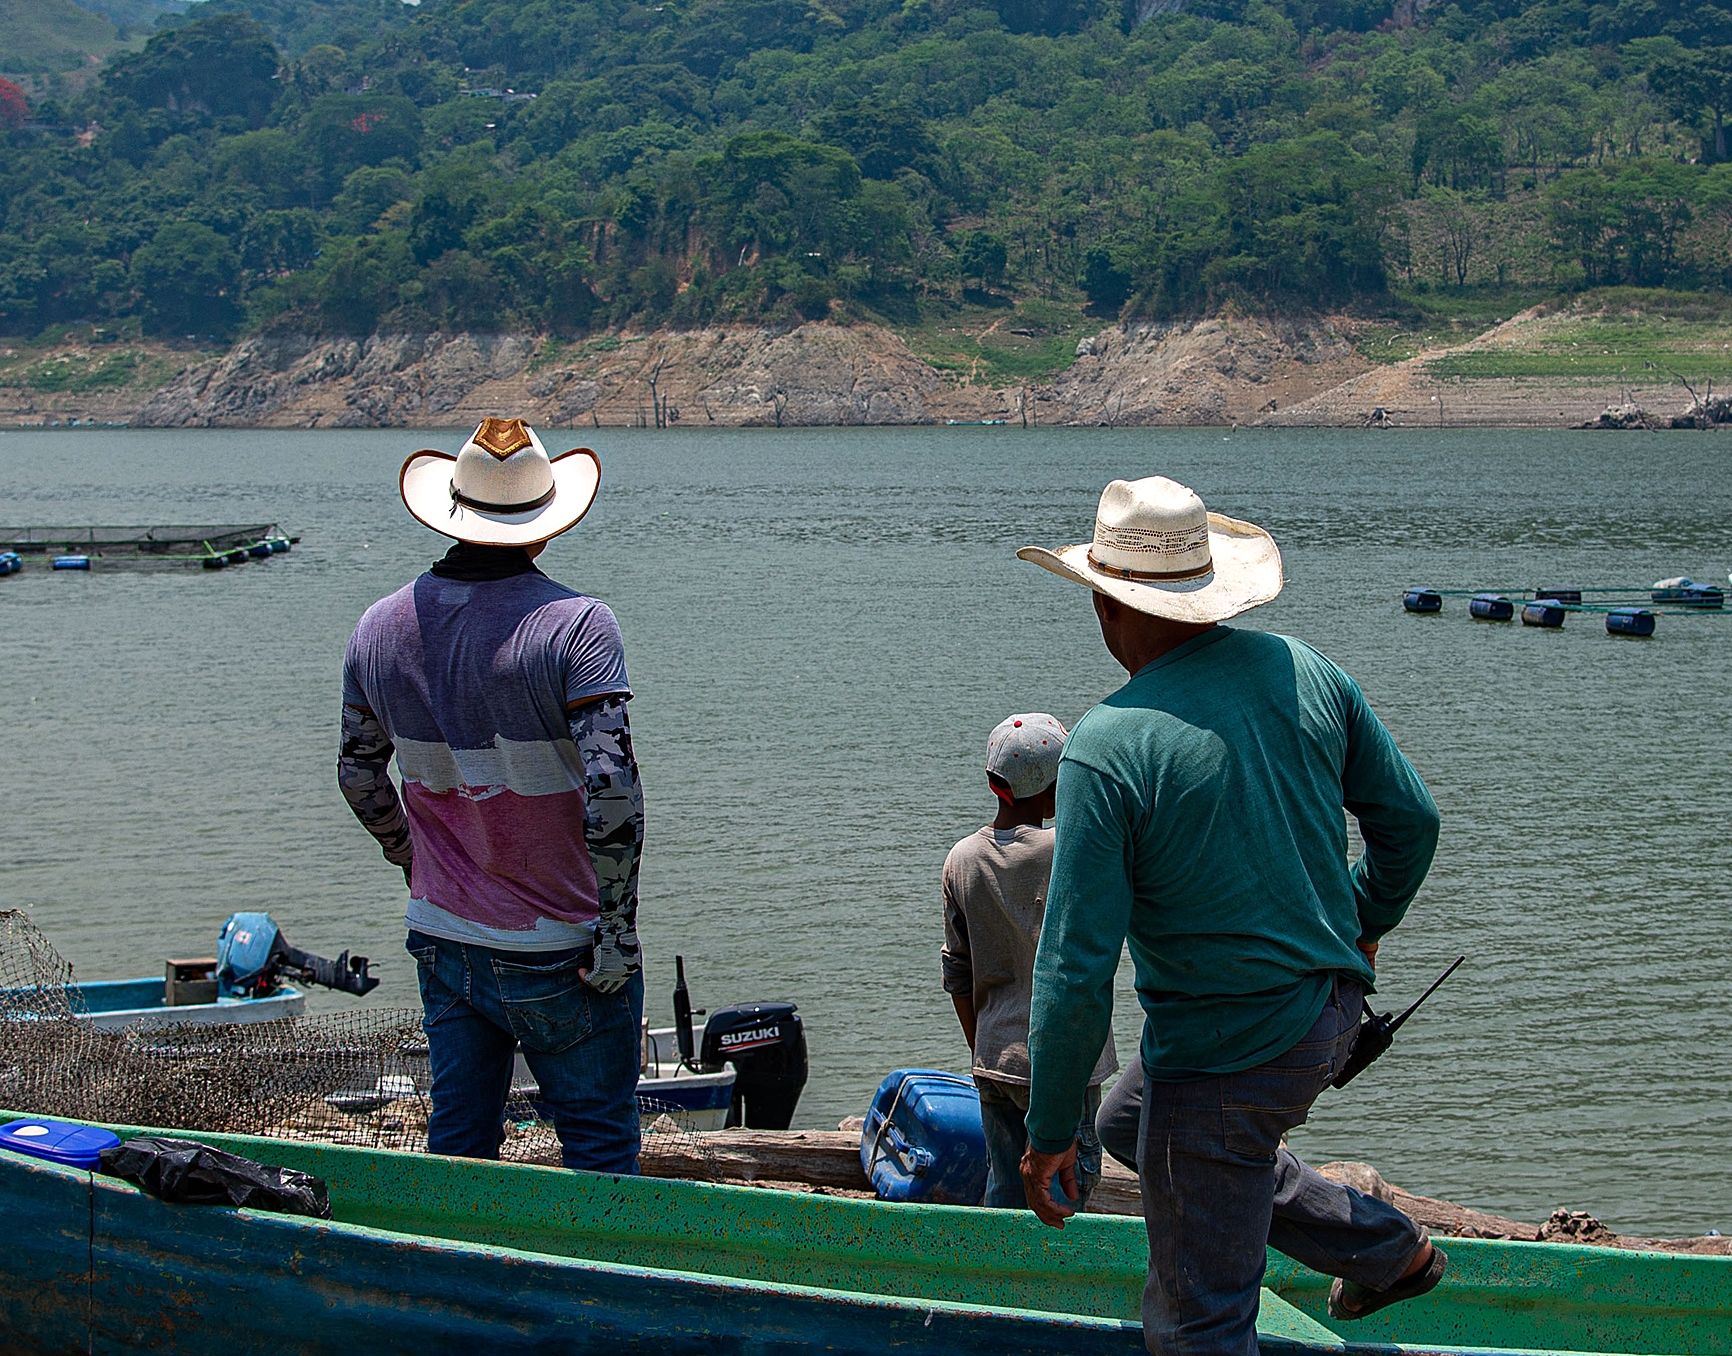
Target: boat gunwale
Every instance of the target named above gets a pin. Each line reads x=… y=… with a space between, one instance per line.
x=1566 y=1255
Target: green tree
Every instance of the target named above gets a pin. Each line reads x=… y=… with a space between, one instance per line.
x=187 y=276
x=984 y=256
x=1694 y=83
x=221 y=66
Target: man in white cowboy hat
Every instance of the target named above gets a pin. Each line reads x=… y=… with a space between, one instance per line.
x=503 y=695
x=1199 y=814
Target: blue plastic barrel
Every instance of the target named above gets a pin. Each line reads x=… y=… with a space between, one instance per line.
x=1542 y=612
x=923 y=1140
x=238 y=556
x=10 y=562
x=1561 y=595
x=1629 y=621
x=259 y=550
x=1491 y=607
x=215 y=562
x=72 y=562
x=1422 y=600
x=277 y=544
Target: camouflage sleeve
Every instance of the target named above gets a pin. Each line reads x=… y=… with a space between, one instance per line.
x=613 y=829
x=363 y=772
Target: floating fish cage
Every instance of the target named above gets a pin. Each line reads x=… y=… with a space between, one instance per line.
x=1630 y=610
x=215 y=546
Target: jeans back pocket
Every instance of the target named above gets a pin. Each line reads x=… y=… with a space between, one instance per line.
x=546 y=1006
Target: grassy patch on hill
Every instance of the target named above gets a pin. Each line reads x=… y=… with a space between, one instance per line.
x=80 y=361
x=41 y=36
x=1646 y=335
x=1031 y=341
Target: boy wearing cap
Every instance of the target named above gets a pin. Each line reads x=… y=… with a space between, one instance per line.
x=995 y=884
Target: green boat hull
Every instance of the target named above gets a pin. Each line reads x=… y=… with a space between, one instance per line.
x=428 y=1255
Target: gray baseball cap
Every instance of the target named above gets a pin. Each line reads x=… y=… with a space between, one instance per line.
x=1023 y=751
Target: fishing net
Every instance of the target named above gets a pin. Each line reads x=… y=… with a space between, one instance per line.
x=358 y=1078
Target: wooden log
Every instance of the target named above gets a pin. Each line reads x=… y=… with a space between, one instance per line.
x=828 y=1162
x=820 y=1158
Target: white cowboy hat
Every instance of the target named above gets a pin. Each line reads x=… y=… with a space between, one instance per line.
x=1158 y=550
x=500 y=489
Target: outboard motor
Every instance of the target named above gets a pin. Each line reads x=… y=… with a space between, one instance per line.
x=253 y=956
x=766 y=1044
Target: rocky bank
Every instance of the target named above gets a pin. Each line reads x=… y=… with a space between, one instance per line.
x=1225 y=370
x=1218 y=371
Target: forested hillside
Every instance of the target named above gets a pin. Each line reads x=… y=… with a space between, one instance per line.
x=568 y=165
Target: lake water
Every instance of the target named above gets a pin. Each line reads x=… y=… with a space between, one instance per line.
x=822 y=627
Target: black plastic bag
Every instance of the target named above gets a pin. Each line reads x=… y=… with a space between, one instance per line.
x=183 y=1172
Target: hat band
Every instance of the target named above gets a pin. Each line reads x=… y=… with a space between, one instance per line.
x=482 y=506
x=1150 y=576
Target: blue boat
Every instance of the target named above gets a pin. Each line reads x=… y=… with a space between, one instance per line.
x=142 y=1004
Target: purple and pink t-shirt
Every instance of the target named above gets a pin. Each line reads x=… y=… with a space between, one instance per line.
x=472 y=681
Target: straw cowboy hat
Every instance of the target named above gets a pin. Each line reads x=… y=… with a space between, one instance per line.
x=501 y=489
x=1158 y=550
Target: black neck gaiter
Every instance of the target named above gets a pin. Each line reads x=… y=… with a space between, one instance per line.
x=481 y=564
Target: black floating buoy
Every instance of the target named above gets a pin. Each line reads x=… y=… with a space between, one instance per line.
x=1629 y=621
x=1561 y=595
x=1491 y=607
x=1422 y=600
x=1543 y=612
x=238 y=556
x=215 y=562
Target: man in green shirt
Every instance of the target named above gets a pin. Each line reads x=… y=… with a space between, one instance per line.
x=1200 y=815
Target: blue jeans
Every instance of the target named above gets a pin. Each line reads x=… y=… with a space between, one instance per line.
x=1218 y=1186
x=1004 y=1117
x=582 y=1046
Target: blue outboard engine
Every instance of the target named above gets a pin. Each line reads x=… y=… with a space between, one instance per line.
x=253 y=957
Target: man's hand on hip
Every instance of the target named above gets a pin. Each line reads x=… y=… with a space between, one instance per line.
x=614 y=965
x=1038 y=1170
x=1370 y=951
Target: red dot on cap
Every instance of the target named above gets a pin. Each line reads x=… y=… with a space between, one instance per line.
x=1017 y=724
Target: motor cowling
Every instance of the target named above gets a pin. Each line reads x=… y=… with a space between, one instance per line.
x=766 y=1044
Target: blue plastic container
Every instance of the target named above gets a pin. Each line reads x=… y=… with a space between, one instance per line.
x=1491 y=607
x=259 y=550
x=1542 y=612
x=238 y=556
x=72 y=562
x=10 y=562
x=64 y=1142
x=923 y=1141
x=1422 y=600
x=1629 y=621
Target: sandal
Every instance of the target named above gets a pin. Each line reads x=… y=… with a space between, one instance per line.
x=1369 y=1301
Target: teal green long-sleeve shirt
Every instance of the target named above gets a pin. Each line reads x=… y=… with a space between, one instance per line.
x=1200 y=815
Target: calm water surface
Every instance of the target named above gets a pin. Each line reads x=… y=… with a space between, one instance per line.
x=821 y=629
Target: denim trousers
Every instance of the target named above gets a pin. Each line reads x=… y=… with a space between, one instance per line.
x=479 y=1004
x=1218 y=1185
x=1004 y=1117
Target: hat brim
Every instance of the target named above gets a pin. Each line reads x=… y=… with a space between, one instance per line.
x=1246 y=574
x=425 y=484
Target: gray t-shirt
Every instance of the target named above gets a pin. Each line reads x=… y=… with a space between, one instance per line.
x=994 y=899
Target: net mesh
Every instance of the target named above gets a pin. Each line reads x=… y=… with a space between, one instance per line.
x=357 y=1078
